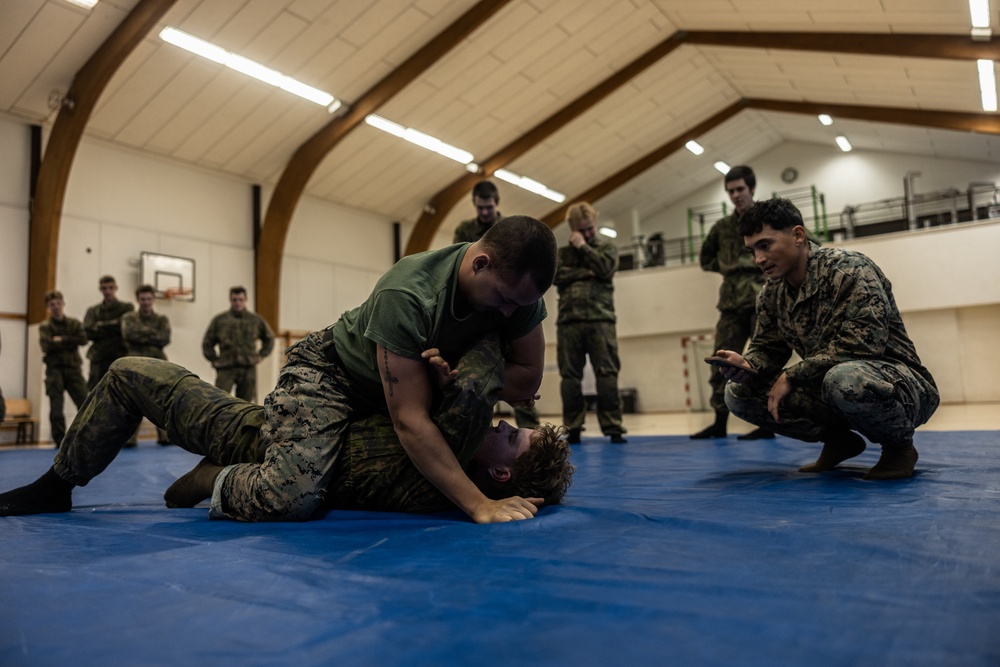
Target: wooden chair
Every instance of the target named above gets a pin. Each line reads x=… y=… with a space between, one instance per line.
x=19 y=417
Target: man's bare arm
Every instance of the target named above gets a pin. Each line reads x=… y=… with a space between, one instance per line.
x=523 y=366
x=408 y=393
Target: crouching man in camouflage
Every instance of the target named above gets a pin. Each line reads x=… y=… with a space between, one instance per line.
x=371 y=472
x=859 y=373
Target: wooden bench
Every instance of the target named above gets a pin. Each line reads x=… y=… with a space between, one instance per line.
x=19 y=417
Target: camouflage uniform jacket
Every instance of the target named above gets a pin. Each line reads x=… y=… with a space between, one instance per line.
x=103 y=324
x=236 y=335
x=66 y=352
x=586 y=291
x=146 y=335
x=470 y=231
x=723 y=252
x=843 y=311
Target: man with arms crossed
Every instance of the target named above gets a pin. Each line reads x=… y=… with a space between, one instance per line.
x=859 y=373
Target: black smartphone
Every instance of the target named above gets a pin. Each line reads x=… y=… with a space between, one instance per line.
x=719 y=361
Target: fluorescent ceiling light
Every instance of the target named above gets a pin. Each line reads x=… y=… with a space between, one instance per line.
x=420 y=139
x=529 y=185
x=246 y=66
x=89 y=4
x=694 y=147
x=825 y=119
x=844 y=144
x=472 y=168
x=722 y=167
x=987 y=84
x=980 y=12
x=609 y=232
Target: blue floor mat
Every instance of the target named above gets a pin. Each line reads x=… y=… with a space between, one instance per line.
x=666 y=551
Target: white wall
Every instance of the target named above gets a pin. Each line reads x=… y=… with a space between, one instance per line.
x=14 y=157
x=844 y=178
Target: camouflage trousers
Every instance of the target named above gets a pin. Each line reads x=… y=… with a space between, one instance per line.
x=732 y=331
x=882 y=400
x=244 y=378
x=98 y=369
x=60 y=380
x=599 y=341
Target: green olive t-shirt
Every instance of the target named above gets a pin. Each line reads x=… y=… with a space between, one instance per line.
x=411 y=309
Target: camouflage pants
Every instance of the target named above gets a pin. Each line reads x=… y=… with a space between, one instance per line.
x=244 y=378
x=98 y=369
x=60 y=380
x=200 y=418
x=882 y=400
x=599 y=341
x=732 y=331
x=526 y=417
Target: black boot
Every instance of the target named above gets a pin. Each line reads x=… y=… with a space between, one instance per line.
x=573 y=437
x=716 y=430
x=757 y=434
x=837 y=448
x=49 y=494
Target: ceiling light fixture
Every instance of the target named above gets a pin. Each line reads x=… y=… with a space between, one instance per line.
x=89 y=4
x=420 y=139
x=844 y=144
x=987 y=84
x=246 y=66
x=979 y=11
x=721 y=167
x=529 y=185
x=694 y=147
x=609 y=232
x=825 y=119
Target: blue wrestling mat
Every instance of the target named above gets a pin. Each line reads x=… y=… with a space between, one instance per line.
x=667 y=552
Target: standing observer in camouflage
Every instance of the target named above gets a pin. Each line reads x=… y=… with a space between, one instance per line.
x=230 y=344
x=103 y=324
x=146 y=333
x=723 y=252
x=859 y=370
x=586 y=324
x=61 y=338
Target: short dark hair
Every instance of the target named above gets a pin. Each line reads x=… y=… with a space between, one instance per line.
x=106 y=279
x=776 y=213
x=486 y=190
x=239 y=289
x=54 y=294
x=145 y=289
x=520 y=245
x=741 y=171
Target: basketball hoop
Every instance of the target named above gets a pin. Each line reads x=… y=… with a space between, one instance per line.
x=180 y=293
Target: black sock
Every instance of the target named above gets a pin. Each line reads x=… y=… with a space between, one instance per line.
x=48 y=494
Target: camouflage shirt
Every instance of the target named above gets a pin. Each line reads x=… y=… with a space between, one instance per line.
x=146 y=335
x=236 y=335
x=103 y=324
x=65 y=352
x=843 y=311
x=723 y=252
x=584 y=280
x=470 y=231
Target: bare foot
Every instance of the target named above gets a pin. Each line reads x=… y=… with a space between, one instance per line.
x=194 y=486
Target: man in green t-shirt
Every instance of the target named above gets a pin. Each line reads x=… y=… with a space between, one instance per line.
x=427 y=309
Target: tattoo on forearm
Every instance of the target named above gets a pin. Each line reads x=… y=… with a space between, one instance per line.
x=388 y=376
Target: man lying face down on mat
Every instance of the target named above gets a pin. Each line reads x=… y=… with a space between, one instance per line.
x=374 y=360
x=372 y=470
x=859 y=369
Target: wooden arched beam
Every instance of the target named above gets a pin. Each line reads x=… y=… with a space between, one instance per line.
x=919 y=46
x=442 y=203
x=310 y=154
x=67 y=131
x=945 y=120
